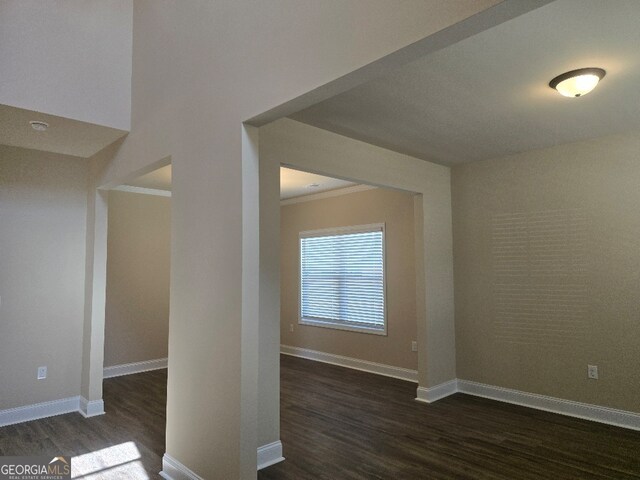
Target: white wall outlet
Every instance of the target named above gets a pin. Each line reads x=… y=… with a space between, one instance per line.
x=291 y=327
x=42 y=373
x=414 y=346
x=592 y=371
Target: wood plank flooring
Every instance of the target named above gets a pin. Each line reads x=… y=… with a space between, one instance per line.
x=135 y=406
x=344 y=424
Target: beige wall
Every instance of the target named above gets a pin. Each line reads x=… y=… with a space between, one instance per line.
x=195 y=80
x=68 y=58
x=395 y=210
x=43 y=206
x=138 y=260
x=547 y=269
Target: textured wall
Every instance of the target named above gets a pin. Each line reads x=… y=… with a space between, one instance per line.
x=547 y=268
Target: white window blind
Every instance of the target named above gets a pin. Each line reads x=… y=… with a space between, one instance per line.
x=342 y=278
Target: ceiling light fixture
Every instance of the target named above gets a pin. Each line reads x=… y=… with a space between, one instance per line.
x=577 y=83
x=39 y=126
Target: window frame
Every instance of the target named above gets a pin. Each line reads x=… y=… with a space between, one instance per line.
x=336 y=324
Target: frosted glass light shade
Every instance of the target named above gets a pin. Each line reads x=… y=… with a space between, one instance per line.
x=577 y=83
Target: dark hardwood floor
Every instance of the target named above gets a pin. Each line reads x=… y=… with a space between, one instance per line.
x=126 y=442
x=344 y=424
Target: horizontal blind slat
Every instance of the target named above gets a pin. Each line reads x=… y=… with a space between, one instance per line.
x=342 y=278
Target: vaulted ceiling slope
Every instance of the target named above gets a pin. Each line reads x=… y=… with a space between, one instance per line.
x=488 y=95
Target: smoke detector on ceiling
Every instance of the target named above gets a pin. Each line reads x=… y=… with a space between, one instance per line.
x=39 y=126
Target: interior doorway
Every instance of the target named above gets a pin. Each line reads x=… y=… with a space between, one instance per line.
x=138 y=275
x=348 y=274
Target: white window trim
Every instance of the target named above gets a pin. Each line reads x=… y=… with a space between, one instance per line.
x=341 y=231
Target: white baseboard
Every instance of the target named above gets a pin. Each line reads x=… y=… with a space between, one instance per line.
x=39 y=410
x=136 y=367
x=172 y=469
x=354 y=363
x=270 y=454
x=27 y=413
x=595 y=413
x=433 y=394
x=90 y=408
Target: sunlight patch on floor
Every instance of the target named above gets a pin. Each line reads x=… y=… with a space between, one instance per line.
x=118 y=461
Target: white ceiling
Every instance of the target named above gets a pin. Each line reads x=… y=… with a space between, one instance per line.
x=65 y=136
x=294 y=183
x=488 y=95
x=159 y=179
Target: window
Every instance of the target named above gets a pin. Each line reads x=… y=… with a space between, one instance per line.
x=342 y=279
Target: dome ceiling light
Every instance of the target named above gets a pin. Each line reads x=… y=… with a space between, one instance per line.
x=577 y=83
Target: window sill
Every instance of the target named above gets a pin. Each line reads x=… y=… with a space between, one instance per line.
x=342 y=326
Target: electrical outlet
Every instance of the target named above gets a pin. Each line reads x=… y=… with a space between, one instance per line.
x=291 y=327
x=592 y=371
x=414 y=346
x=42 y=373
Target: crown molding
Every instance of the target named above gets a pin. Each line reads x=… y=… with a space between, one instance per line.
x=143 y=191
x=328 y=194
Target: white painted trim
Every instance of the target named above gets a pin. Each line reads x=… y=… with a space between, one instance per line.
x=142 y=190
x=39 y=410
x=433 y=394
x=354 y=363
x=330 y=232
x=270 y=454
x=328 y=194
x=586 y=411
x=595 y=413
x=90 y=408
x=172 y=469
x=312 y=322
x=136 y=367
